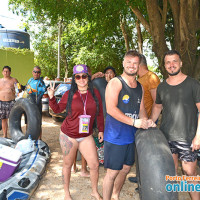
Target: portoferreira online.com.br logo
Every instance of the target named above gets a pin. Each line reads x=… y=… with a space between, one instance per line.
x=182 y=183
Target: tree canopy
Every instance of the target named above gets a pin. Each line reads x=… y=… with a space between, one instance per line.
x=98 y=32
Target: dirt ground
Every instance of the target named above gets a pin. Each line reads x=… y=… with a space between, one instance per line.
x=51 y=187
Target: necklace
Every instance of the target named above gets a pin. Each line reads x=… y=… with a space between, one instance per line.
x=83 y=90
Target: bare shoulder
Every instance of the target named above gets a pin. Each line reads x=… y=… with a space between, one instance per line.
x=114 y=87
x=14 y=80
x=115 y=83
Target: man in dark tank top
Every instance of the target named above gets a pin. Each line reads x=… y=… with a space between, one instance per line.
x=125 y=113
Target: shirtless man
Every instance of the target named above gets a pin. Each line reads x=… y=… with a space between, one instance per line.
x=7 y=97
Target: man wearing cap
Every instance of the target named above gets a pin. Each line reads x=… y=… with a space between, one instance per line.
x=109 y=73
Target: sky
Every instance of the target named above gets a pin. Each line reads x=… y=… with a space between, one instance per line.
x=7 y=18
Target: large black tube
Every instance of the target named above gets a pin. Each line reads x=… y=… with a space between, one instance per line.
x=33 y=120
x=154 y=163
x=100 y=84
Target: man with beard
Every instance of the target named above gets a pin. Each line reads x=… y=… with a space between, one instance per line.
x=125 y=113
x=179 y=99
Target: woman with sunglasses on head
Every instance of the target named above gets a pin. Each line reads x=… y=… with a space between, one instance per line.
x=83 y=105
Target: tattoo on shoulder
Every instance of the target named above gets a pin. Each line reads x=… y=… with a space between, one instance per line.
x=66 y=144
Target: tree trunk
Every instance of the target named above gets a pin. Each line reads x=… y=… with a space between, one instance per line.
x=186 y=19
x=140 y=39
x=125 y=34
x=64 y=60
x=188 y=40
x=157 y=27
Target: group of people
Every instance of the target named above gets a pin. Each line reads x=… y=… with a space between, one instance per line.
x=34 y=89
x=131 y=103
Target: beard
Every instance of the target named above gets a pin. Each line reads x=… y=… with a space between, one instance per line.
x=175 y=73
x=130 y=74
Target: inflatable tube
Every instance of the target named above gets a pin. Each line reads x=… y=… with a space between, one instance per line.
x=100 y=84
x=33 y=120
x=27 y=176
x=6 y=142
x=154 y=163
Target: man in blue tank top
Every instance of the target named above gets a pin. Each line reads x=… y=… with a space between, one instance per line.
x=125 y=113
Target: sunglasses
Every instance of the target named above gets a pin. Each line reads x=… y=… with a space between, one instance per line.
x=37 y=72
x=78 y=77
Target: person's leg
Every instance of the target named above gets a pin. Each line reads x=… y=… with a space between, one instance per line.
x=40 y=136
x=175 y=158
x=74 y=164
x=119 y=181
x=40 y=110
x=4 y=127
x=115 y=164
x=134 y=179
x=190 y=169
x=129 y=159
x=175 y=150
x=84 y=171
x=189 y=163
x=87 y=148
x=108 y=183
x=69 y=148
x=5 y=112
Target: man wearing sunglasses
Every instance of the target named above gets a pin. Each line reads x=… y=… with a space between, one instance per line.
x=35 y=89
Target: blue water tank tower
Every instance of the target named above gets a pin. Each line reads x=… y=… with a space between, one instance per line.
x=14 y=38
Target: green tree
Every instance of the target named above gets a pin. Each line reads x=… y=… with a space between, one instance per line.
x=166 y=24
x=173 y=24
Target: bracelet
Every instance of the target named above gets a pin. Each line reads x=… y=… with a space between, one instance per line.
x=134 y=122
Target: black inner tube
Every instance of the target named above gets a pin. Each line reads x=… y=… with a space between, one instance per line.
x=33 y=120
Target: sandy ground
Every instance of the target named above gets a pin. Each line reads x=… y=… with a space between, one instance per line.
x=51 y=188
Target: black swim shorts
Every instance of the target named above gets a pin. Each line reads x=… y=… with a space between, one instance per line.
x=115 y=156
x=5 y=108
x=184 y=151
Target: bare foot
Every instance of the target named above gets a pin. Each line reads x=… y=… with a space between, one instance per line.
x=85 y=174
x=97 y=196
x=73 y=170
x=68 y=197
x=114 y=197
